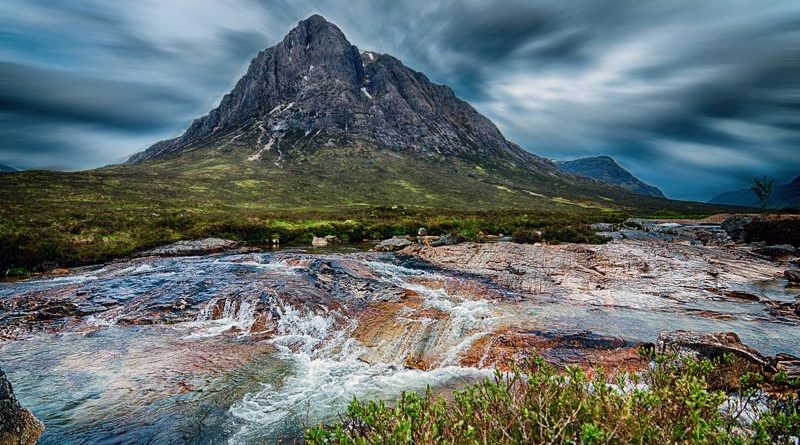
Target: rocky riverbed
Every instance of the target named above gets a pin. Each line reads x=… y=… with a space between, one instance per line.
x=249 y=347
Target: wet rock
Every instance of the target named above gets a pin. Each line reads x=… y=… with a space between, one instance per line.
x=614 y=236
x=202 y=246
x=735 y=225
x=602 y=227
x=730 y=293
x=711 y=346
x=40 y=312
x=18 y=426
x=584 y=339
x=776 y=252
x=560 y=348
x=448 y=240
x=426 y=240
x=785 y=309
x=325 y=241
x=392 y=244
x=715 y=346
x=642 y=235
x=787 y=363
x=792 y=275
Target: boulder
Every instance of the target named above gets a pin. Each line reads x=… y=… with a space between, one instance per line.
x=785 y=309
x=734 y=226
x=642 y=235
x=18 y=426
x=793 y=275
x=701 y=345
x=602 y=227
x=714 y=346
x=325 y=241
x=392 y=244
x=422 y=231
x=614 y=235
x=789 y=364
x=776 y=252
x=448 y=240
x=202 y=246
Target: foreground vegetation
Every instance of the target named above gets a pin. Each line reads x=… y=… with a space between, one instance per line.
x=674 y=402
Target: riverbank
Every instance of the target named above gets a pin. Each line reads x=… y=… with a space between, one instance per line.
x=250 y=347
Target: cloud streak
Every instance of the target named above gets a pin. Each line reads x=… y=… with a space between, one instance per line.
x=696 y=98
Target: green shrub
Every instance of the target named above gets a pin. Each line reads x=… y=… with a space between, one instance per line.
x=525 y=236
x=671 y=403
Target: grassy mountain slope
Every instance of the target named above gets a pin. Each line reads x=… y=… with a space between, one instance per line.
x=49 y=219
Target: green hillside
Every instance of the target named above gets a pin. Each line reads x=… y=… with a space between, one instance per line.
x=50 y=219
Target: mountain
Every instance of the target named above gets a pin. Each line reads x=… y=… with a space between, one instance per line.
x=783 y=196
x=315 y=88
x=315 y=122
x=6 y=169
x=742 y=197
x=317 y=127
x=316 y=138
x=605 y=169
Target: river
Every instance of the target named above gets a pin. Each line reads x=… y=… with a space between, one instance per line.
x=252 y=348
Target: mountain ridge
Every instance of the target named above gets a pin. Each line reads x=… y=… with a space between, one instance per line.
x=7 y=169
x=315 y=84
x=606 y=169
x=784 y=196
x=315 y=122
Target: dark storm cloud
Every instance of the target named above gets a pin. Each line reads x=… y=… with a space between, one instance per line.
x=69 y=98
x=695 y=97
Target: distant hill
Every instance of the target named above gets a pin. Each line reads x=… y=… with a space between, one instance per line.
x=6 y=169
x=605 y=169
x=783 y=196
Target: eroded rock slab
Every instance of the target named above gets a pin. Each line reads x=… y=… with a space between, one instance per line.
x=202 y=246
x=393 y=244
x=644 y=275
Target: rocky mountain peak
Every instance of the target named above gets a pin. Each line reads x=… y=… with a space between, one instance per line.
x=605 y=168
x=315 y=89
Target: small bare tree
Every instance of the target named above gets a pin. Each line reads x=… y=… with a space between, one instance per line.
x=763 y=190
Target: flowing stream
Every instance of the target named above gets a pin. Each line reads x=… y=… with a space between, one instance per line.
x=252 y=348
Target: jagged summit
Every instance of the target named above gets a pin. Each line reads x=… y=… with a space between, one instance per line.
x=316 y=89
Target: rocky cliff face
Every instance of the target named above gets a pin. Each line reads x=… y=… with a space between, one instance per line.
x=18 y=426
x=604 y=168
x=316 y=89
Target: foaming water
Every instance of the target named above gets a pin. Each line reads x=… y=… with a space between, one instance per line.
x=326 y=375
x=238 y=315
x=251 y=348
x=467 y=313
x=209 y=375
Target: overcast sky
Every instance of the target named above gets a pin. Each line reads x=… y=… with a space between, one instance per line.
x=695 y=97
